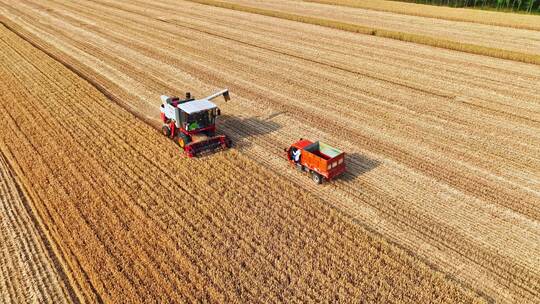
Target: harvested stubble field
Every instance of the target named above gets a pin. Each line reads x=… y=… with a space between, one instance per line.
x=134 y=222
x=29 y=270
x=443 y=149
x=507 y=38
x=510 y=43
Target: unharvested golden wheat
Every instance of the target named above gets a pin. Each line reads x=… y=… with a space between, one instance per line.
x=521 y=21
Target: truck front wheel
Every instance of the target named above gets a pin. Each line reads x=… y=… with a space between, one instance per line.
x=316 y=177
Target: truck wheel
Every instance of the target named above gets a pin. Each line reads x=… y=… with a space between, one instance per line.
x=316 y=177
x=166 y=131
x=299 y=167
x=183 y=140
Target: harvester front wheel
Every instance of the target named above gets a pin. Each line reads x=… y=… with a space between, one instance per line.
x=316 y=177
x=183 y=140
x=166 y=131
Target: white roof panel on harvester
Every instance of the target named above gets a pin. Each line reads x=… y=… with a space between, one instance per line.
x=197 y=106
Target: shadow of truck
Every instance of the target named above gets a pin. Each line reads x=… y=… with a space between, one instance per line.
x=358 y=164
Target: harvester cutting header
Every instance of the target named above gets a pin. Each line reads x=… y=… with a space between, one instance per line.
x=192 y=123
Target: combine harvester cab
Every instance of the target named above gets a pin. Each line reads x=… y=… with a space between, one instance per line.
x=321 y=160
x=191 y=123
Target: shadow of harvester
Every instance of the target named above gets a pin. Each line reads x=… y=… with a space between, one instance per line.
x=358 y=164
x=241 y=129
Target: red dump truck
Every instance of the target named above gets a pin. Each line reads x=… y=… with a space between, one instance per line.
x=320 y=160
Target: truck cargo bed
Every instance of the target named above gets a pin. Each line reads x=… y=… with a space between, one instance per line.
x=323 y=150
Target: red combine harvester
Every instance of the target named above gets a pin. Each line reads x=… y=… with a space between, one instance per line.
x=319 y=159
x=192 y=123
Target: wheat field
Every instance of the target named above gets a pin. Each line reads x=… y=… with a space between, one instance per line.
x=439 y=204
x=151 y=230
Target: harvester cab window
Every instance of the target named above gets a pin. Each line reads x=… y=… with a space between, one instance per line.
x=183 y=117
x=200 y=120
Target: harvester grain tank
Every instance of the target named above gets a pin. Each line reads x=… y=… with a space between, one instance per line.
x=191 y=123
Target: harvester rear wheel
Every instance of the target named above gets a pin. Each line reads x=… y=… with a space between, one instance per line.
x=166 y=131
